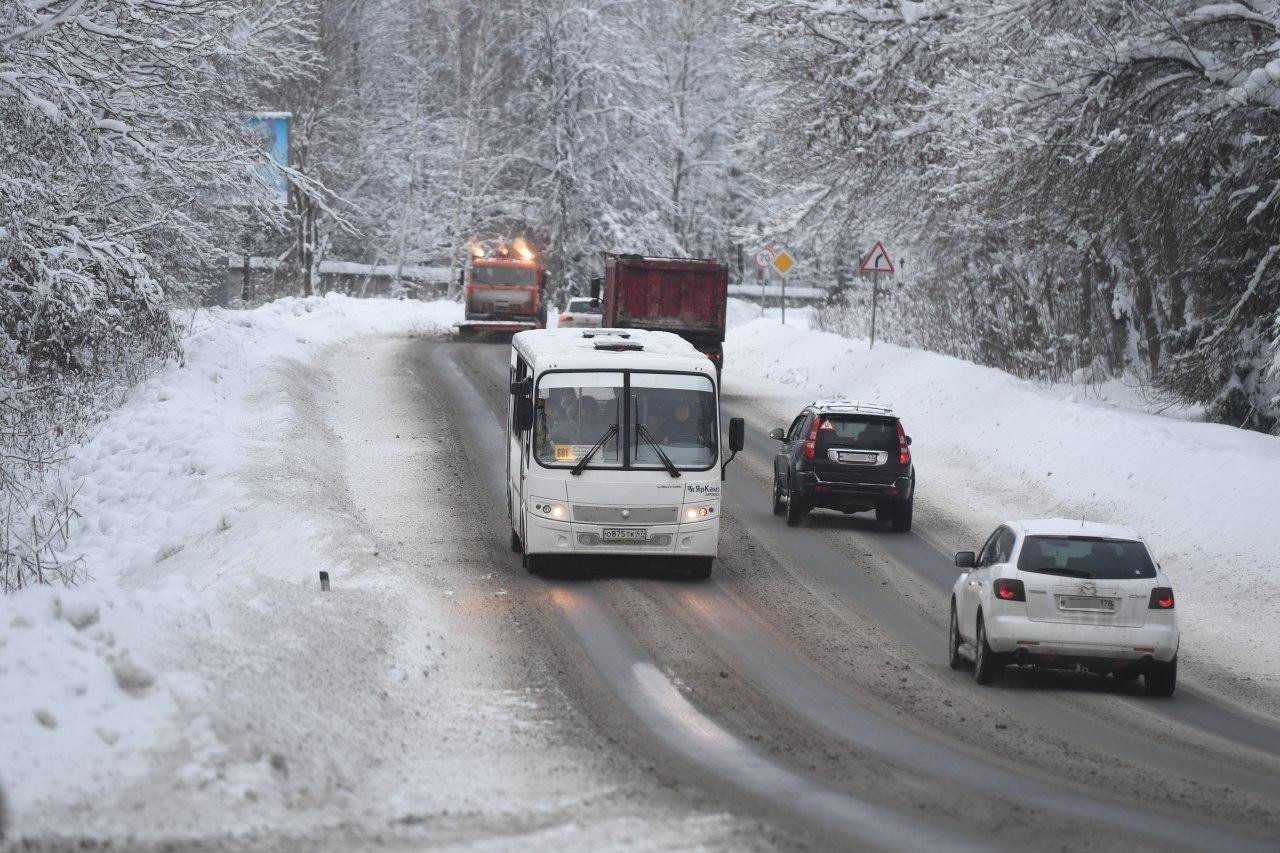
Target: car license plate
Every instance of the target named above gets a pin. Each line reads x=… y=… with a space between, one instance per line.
x=1104 y=605
x=858 y=457
x=626 y=534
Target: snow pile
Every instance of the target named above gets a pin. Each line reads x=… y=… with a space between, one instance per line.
x=170 y=524
x=991 y=447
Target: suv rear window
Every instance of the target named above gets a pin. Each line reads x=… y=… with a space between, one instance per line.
x=862 y=432
x=1086 y=557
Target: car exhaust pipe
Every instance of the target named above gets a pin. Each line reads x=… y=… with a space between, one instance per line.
x=1022 y=657
x=1146 y=663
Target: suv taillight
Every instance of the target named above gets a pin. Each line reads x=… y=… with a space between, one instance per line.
x=904 y=453
x=1161 y=599
x=1008 y=589
x=811 y=444
x=566 y=318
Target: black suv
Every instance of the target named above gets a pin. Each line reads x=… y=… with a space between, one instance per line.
x=845 y=456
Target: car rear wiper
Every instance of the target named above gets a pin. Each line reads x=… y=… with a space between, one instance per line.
x=1071 y=573
x=643 y=432
x=595 y=448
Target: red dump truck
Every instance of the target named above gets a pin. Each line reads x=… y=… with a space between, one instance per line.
x=682 y=295
x=504 y=292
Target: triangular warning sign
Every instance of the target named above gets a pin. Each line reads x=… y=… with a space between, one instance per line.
x=877 y=261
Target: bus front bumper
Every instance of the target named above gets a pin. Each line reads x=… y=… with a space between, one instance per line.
x=695 y=539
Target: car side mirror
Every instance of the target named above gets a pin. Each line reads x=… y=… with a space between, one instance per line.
x=908 y=440
x=777 y=434
x=966 y=559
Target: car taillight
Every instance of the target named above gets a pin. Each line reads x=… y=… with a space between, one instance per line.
x=715 y=356
x=1007 y=589
x=566 y=318
x=1161 y=599
x=811 y=444
x=904 y=453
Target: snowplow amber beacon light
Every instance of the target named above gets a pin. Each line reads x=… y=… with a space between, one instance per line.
x=522 y=249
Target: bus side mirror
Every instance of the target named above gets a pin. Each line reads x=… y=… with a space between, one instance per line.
x=737 y=438
x=737 y=434
x=523 y=413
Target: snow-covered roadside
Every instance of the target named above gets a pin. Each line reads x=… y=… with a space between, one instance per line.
x=991 y=447
x=167 y=524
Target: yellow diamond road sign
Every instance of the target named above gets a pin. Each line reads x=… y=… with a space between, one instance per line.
x=783 y=262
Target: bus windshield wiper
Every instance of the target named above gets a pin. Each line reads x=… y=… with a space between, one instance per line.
x=595 y=448
x=643 y=432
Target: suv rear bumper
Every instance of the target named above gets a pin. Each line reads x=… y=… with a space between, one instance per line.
x=839 y=493
x=1007 y=633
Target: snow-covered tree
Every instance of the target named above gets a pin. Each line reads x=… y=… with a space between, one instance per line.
x=125 y=169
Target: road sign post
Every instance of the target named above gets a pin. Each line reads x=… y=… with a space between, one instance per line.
x=876 y=262
x=875 y=304
x=762 y=259
x=783 y=262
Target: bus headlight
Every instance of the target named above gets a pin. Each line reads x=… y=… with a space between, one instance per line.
x=551 y=509
x=698 y=513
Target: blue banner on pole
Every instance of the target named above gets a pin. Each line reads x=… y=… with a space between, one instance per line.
x=274 y=130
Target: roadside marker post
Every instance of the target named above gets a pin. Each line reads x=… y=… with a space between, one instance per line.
x=877 y=261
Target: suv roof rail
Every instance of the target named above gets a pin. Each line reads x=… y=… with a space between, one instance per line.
x=852 y=406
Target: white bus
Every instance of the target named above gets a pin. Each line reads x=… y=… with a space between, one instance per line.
x=614 y=447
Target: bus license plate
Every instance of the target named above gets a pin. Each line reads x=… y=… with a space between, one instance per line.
x=626 y=534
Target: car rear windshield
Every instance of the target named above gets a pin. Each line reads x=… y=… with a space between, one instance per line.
x=1086 y=557
x=584 y=306
x=858 y=431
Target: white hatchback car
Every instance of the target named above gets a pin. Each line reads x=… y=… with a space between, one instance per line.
x=1065 y=594
x=581 y=312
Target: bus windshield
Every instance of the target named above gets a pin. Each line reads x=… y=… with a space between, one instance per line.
x=675 y=412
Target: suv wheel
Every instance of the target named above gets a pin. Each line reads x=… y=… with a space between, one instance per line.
x=779 y=506
x=986 y=664
x=796 y=510
x=516 y=544
x=1161 y=678
x=954 y=659
x=902 y=512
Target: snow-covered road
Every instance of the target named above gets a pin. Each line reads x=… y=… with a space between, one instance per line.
x=202 y=689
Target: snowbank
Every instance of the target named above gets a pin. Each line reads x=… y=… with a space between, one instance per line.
x=91 y=678
x=991 y=447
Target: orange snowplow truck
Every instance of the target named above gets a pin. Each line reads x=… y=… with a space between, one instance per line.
x=504 y=292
